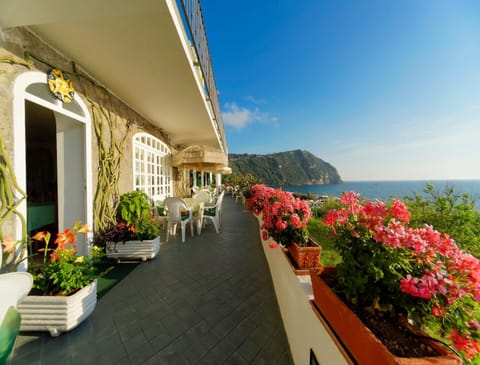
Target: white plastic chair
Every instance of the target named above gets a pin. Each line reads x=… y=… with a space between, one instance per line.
x=14 y=286
x=175 y=207
x=203 y=195
x=213 y=212
x=237 y=193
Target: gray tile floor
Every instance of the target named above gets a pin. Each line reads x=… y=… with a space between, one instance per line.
x=209 y=300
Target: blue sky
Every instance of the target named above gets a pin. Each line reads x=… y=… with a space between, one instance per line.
x=382 y=90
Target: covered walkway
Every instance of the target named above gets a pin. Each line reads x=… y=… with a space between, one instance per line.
x=209 y=300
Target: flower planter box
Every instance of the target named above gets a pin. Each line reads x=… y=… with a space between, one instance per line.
x=305 y=257
x=249 y=203
x=143 y=250
x=57 y=314
x=362 y=344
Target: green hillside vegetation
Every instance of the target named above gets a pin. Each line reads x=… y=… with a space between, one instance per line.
x=285 y=168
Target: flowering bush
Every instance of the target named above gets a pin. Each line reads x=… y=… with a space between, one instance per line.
x=418 y=272
x=261 y=195
x=62 y=272
x=285 y=218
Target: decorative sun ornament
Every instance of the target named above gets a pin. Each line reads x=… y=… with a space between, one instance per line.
x=60 y=85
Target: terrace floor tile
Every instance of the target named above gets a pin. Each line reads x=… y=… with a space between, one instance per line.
x=209 y=300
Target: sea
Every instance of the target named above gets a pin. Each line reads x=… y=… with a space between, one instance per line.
x=383 y=190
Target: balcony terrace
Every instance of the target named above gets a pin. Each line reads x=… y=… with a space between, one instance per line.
x=209 y=300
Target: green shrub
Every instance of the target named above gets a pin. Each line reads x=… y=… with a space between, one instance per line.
x=447 y=212
x=321 y=209
x=133 y=206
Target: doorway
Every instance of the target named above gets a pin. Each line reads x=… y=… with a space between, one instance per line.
x=41 y=168
x=55 y=170
x=52 y=158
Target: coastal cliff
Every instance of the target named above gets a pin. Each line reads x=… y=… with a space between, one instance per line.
x=285 y=168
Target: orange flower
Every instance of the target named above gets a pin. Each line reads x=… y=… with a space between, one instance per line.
x=64 y=238
x=40 y=236
x=84 y=229
x=54 y=256
x=9 y=244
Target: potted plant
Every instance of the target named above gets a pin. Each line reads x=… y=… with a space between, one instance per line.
x=285 y=219
x=245 y=183
x=247 y=196
x=136 y=234
x=392 y=275
x=64 y=290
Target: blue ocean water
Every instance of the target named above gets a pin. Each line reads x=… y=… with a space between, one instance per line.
x=383 y=190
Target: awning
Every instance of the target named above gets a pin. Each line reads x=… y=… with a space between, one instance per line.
x=198 y=157
x=225 y=170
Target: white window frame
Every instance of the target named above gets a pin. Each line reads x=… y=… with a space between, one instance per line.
x=152 y=166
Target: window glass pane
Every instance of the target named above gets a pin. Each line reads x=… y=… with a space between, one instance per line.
x=152 y=166
x=42 y=91
x=73 y=107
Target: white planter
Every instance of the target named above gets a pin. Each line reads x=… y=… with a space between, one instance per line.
x=144 y=250
x=57 y=314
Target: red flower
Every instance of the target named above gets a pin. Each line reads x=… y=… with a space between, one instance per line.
x=438 y=311
x=468 y=346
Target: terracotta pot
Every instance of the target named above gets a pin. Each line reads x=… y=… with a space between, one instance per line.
x=305 y=257
x=249 y=203
x=362 y=344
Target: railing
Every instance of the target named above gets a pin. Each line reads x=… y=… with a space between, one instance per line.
x=193 y=16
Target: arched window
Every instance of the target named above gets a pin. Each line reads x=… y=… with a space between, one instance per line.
x=152 y=166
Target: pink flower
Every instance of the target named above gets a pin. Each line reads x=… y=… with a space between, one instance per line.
x=296 y=221
x=273 y=245
x=474 y=324
x=400 y=211
x=351 y=199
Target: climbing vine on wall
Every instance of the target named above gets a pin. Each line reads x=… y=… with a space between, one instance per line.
x=110 y=150
x=11 y=61
x=11 y=196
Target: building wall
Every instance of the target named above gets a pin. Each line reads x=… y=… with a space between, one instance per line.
x=14 y=45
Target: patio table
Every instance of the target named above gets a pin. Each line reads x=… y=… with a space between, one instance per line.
x=197 y=206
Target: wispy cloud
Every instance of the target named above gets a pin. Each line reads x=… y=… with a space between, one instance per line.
x=239 y=117
x=256 y=101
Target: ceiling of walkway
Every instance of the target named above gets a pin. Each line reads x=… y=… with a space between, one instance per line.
x=137 y=49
